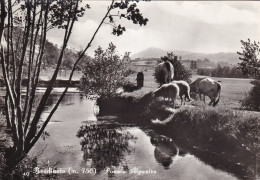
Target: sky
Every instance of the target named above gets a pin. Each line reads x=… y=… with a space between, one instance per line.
x=195 y=26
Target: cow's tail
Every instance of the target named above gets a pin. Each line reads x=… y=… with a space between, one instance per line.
x=170 y=71
x=217 y=94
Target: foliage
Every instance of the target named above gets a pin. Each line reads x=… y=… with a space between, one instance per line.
x=250 y=58
x=27 y=23
x=244 y=127
x=51 y=54
x=205 y=127
x=104 y=146
x=23 y=29
x=105 y=73
x=132 y=14
x=180 y=71
x=252 y=99
x=219 y=71
x=251 y=67
x=69 y=58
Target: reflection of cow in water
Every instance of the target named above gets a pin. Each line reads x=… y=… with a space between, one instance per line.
x=165 y=150
x=207 y=87
x=164 y=73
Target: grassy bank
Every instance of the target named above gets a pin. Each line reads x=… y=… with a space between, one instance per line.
x=5 y=142
x=225 y=138
x=18 y=171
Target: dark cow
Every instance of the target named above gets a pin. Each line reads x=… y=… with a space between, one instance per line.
x=164 y=73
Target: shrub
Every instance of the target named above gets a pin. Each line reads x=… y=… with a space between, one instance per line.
x=252 y=99
x=105 y=73
x=250 y=66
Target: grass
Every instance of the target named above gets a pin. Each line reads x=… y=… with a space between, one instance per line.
x=227 y=115
x=5 y=142
x=224 y=132
x=230 y=136
x=232 y=89
x=225 y=136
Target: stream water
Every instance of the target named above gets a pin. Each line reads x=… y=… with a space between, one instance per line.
x=80 y=146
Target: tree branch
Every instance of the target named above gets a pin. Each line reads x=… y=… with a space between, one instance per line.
x=35 y=139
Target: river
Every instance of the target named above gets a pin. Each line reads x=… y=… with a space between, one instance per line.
x=83 y=147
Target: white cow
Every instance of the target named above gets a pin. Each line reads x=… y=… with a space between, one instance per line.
x=207 y=87
x=170 y=90
x=184 y=90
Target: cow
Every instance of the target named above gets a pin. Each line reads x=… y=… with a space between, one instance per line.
x=170 y=90
x=164 y=73
x=207 y=87
x=184 y=90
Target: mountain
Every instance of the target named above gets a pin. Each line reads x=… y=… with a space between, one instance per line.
x=150 y=53
x=229 y=57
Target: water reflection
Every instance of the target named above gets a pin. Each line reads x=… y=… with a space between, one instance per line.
x=104 y=146
x=164 y=150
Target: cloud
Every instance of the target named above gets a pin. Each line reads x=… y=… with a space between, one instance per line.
x=193 y=26
x=213 y=12
x=252 y=6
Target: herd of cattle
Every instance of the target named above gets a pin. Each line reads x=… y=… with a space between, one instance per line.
x=164 y=73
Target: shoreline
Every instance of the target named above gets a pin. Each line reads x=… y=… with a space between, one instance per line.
x=222 y=137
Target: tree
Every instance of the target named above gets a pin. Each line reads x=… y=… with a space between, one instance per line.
x=51 y=53
x=250 y=65
x=193 y=65
x=180 y=71
x=23 y=55
x=105 y=73
x=217 y=72
x=250 y=58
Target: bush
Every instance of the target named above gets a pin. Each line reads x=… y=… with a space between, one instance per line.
x=252 y=99
x=237 y=128
x=180 y=71
x=105 y=73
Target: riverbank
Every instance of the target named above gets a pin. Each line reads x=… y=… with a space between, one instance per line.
x=223 y=137
x=61 y=81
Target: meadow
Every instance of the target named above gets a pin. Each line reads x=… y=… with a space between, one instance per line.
x=225 y=136
x=232 y=89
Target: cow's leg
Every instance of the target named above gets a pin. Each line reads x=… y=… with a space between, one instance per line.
x=181 y=100
x=212 y=100
x=200 y=96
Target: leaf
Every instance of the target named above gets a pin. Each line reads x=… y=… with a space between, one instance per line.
x=110 y=19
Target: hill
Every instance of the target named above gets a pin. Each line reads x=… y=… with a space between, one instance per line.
x=229 y=57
